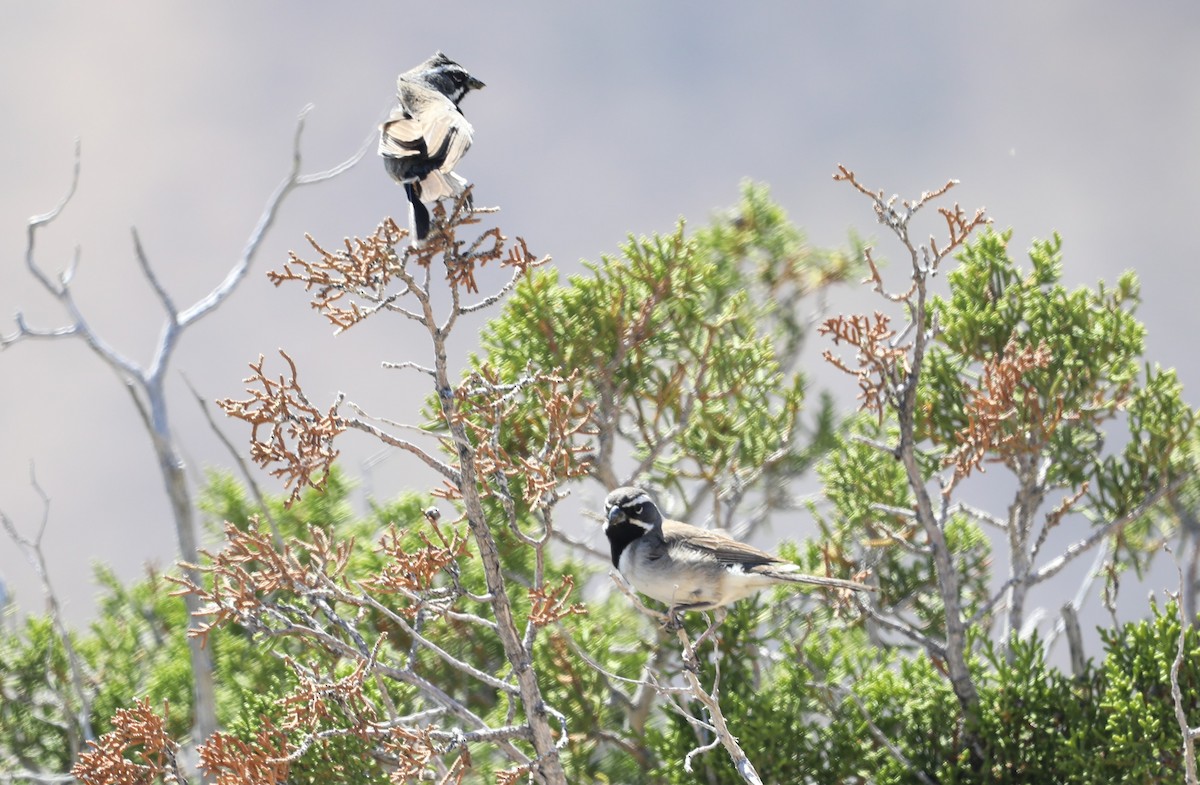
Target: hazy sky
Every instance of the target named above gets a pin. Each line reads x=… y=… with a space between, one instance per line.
x=599 y=120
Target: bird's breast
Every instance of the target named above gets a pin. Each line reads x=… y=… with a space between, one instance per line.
x=663 y=576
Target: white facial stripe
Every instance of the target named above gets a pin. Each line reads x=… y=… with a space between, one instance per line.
x=641 y=498
x=625 y=518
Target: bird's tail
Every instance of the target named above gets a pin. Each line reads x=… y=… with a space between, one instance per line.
x=418 y=214
x=820 y=580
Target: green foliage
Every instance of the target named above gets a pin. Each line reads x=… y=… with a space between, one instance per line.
x=779 y=672
x=1094 y=372
x=1027 y=374
x=225 y=500
x=140 y=624
x=882 y=521
x=33 y=664
x=687 y=338
x=1138 y=716
x=689 y=344
x=1113 y=723
x=1091 y=336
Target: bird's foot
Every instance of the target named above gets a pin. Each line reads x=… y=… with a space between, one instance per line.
x=673 y=622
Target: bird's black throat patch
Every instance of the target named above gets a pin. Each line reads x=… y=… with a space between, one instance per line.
x=619 y=536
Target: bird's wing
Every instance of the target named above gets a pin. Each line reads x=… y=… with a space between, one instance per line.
x=441 y=185
x=715 y=544
x=426 y=125
x=728 y=551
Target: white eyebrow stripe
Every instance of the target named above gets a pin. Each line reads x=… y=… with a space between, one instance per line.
x=641 y=498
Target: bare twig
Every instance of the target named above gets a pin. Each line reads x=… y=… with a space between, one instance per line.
x=1082 y=546
x=80 y=732
x=146 y=383
x=709 y=699
x=294 y=179
x=1188 y=733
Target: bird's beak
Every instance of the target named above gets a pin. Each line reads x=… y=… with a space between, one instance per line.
x=475 y=84
x=616 y=514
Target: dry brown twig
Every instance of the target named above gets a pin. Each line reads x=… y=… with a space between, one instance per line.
x=299 y=592
x=880 y=364
x=887 y=366
x=485 y=404
x=299 y=439
x=293 y=438
x=233 y=761
x=550 y=604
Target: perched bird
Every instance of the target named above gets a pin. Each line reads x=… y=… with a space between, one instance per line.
x=688 y=568
x=426 y=135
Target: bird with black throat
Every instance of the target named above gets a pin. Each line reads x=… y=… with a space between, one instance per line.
x=426 y=135
x=689 y=568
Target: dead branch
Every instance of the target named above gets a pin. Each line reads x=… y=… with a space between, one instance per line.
x=293 y=438
x=78 y=724
x=889 y=374
x=247 y=476
x=147 y=382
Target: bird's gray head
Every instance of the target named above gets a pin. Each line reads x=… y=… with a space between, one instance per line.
x=444 y=75
x=631 y=505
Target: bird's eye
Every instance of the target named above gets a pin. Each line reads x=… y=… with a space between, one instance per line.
x=636 y=509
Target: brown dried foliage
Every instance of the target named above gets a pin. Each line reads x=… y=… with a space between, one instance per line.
x=299 y=590
x=1004 y=416
x=959 y=225
x=880 y=364
x=137 y=751
x=487 y=408
x=511 y=776
x=292 y=437
x=549 y=603
x=250 y=568
x=257 y=584
x=409 y=571
x=359 y=280
x=413 y=750
x=364 y=264
x=316 y=701
x=298 y=438
x=458 y=769
x=461 y=258
x=232 y=761
x=883 y=365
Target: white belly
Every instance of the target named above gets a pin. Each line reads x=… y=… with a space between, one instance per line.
x=679 y=582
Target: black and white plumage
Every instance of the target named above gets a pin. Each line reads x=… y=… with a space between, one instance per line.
x=426 y=135
x=689 y=568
